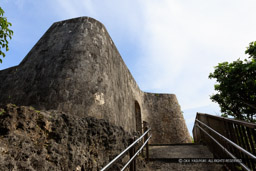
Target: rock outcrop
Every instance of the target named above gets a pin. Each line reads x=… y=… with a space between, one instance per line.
x=35 y=140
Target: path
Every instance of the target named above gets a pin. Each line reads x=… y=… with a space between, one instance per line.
x=172 y=157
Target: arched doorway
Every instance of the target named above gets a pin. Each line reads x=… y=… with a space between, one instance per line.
x=138 y=118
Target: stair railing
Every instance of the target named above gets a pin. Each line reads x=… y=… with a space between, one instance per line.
x=235 y=138
x=133 y=153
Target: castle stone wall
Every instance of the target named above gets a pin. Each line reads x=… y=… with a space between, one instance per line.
x=166 y=119
x=76 y=68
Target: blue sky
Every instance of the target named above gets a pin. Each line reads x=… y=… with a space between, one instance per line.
x=169 y=46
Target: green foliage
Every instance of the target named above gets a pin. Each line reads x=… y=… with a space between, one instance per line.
x=239 y=167
x=192 y=140
x=2 y=111
x=5 y=33
x=251 y=50
x=224 y=115
x=236 y=85
x=31 y=108
x=37 y=111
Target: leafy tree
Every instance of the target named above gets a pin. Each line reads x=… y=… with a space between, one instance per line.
x=236 y=86
x=5 y=32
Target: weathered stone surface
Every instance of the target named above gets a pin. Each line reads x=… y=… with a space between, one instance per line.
x=190 y=156
x=33 y=140
x=180 y=151
x=165 y=166
x=166 y=119
x=75 y=68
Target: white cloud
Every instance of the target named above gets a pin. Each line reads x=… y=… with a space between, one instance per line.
x=190 y=114
x=183 y=41
x=114 y=12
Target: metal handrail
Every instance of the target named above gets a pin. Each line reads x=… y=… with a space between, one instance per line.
x=230 y=154
x=231 y=142
x=126 y=150
x=127 y=164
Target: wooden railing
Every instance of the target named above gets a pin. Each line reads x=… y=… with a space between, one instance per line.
x=227 y=138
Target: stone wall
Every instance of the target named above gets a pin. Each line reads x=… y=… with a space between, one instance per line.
x=166 y=119
x=76 y=68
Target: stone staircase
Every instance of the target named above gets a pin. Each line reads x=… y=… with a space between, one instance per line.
x=181 y=157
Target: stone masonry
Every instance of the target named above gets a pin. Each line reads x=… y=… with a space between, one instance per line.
x=75 y=68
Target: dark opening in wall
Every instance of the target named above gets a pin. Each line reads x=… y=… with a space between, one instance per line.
x=138 y=117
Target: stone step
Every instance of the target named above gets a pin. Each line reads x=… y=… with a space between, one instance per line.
x=180 y=151
x=165 y=166
x=175 y=157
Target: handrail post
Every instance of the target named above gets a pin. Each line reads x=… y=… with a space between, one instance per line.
x=134 y=151
x=147 y=149
x=131 y=153
x=145 y=138
x=144 y=130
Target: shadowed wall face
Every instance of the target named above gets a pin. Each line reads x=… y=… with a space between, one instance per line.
x=138 y=117
x=166 y=119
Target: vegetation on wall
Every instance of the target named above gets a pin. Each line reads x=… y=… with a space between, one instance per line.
x=5 y=33
x=236 y=85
